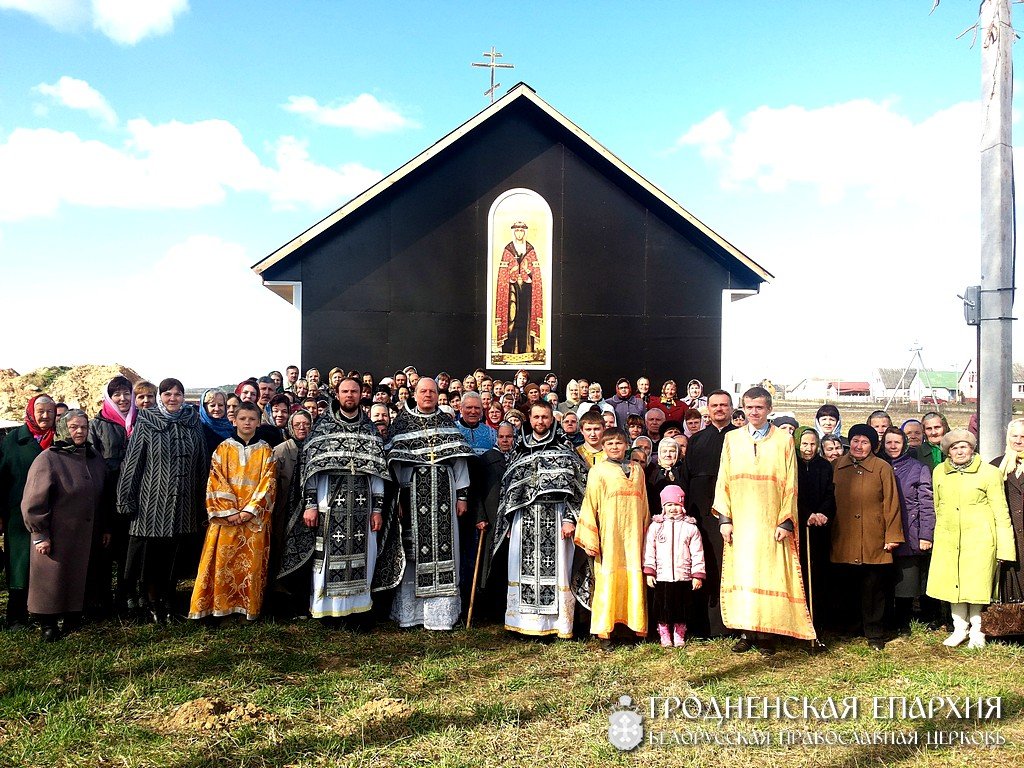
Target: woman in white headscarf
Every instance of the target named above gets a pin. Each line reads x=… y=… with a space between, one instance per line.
x=668 y=470
x=695 y=395
x=572 y=397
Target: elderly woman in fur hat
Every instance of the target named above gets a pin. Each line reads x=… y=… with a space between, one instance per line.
x=972 y=532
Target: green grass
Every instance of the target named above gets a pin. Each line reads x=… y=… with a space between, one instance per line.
x=107 y=696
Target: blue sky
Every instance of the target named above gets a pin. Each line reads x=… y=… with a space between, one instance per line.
x=151 y=152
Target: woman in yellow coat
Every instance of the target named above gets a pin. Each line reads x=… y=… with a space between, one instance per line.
x=611 y=528
x=239 y=498
x=972 y=532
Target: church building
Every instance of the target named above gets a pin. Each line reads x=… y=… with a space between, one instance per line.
x=516 y=241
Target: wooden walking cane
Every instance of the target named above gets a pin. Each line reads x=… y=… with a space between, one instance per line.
x=476 y=572
x=810 y=585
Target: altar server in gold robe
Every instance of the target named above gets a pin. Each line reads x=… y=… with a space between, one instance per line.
x=755 y=502
x=239 y=498
x=611 y=529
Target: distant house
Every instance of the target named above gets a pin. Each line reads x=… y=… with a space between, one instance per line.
x=808 y=389
x=944 y=386
x=893 y=383
x=848 y=391
x=968 y=382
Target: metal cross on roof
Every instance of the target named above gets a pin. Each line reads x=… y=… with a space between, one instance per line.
x=493 y=64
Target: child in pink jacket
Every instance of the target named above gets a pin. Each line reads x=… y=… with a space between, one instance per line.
x=673 y=565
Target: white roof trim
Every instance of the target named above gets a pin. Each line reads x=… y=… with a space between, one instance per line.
x=519 y=91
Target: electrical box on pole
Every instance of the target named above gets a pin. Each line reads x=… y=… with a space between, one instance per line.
x=972 y=304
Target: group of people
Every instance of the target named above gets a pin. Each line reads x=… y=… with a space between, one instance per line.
x=555 y=512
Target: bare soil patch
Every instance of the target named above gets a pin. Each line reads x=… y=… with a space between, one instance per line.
x=204 y=714
x=81 y=386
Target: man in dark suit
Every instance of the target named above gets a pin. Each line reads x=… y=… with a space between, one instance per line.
x=703 y=456
x=485 y=489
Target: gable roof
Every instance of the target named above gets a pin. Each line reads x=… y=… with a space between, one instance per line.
x=516 y=93
x=891 y=377
x=941 y=379
x=851 y=387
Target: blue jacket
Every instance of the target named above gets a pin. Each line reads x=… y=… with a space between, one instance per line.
x=481 y=438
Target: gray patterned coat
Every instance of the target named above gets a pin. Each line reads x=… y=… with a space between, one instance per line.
x=162 y=488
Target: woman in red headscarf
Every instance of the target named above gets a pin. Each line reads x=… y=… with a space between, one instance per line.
x=17 y=453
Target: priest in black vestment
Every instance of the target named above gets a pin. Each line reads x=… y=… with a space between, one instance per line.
x=427 y=454
x=541 y=496
x=339 y=522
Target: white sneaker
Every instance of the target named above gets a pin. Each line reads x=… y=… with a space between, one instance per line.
x=956 y=638
x=977 y=641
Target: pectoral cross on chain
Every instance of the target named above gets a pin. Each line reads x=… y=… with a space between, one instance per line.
x=352 y=465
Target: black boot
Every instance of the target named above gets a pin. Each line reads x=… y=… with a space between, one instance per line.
x=17 y=609
x=902 y=612
x=72 y=622
x=51 y=632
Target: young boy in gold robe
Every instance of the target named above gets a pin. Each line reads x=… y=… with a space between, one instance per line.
x=592 y=428
x=611 y=529
x=239 y=498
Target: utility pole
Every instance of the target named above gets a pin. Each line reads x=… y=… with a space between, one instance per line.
x=995 y=364
x=990 y=305
x=493 y=64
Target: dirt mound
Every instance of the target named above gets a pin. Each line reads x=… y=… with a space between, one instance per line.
x=212 y=715
x=81 y=386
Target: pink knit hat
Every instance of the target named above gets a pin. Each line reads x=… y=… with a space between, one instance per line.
x=672 y=494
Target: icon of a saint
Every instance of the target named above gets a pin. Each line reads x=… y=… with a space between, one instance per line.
x=520 y=295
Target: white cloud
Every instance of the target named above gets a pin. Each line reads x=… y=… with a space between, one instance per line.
x=709 y=135
x=857 y=283
x=129 y=21
x=123 y=21
x=174 y=165
x=204 y=343
x=170 y=165
x=859 y=145
x=299 y=180
x=364 y=114
x=62 y=15
x=78 y=94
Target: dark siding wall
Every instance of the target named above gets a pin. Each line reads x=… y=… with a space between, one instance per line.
x=403 y=280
